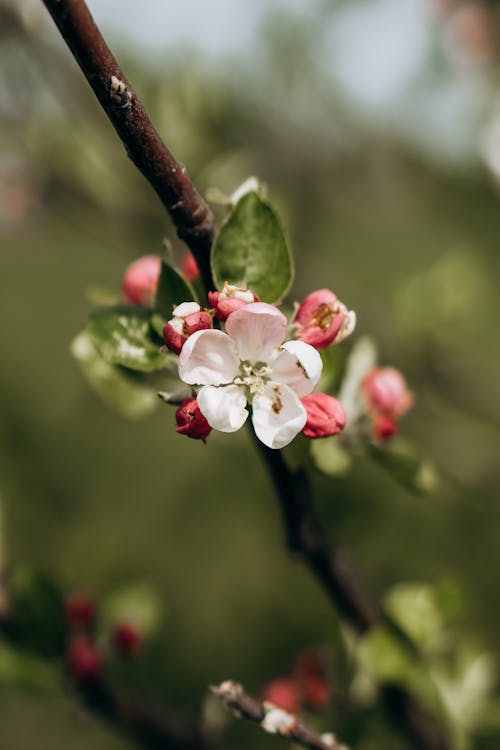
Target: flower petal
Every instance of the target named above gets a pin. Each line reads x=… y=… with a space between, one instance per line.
x=298 y=365
x=257 y=330
x=278 y=416
x=223 y=408
x=208 y=357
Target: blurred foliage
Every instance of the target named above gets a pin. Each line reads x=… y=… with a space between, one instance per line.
x=405 y=236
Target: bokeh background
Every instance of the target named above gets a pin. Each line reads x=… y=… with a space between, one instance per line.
x=376 y=127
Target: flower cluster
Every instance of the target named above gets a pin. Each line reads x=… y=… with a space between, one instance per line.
x=387 y=398
x=250 y=369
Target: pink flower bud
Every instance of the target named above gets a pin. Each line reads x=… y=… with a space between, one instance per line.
x=310 y=674
x=126 y=638
x=386 y=392
x=188 y=318
x=322 y=319
x=230 y=299
x=384 y=427
x=141 y=279
x=83 y=659
x=190 y=420
x=325 y=415
x=79 y=610
x=189 y=267
x=283 y=693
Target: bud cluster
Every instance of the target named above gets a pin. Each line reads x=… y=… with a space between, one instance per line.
x=306 y=688
x=85 y=656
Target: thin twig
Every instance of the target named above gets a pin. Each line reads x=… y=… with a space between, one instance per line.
x=190 y=213
x=194 y=222
x=272 y=719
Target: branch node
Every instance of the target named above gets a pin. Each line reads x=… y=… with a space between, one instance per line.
x=119 y=93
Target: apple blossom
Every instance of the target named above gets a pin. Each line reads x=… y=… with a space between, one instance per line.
x=141 y=280
x=251 y=364
x=325 y=416
x=322 y=320
x=79 y=610
x=188 y=317
x=126 y=638
x=384 y=427
x=83 y=659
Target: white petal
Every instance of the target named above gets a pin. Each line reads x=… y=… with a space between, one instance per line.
x=186 y=308
x=298 y=365
x=278 y=415
x=348 y=326
x=208 y=358
x=257 y=330
x=224 y=407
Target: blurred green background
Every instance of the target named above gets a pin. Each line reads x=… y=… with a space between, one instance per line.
x=375 y=126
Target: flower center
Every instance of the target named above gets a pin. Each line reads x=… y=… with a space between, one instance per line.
x=253 y=378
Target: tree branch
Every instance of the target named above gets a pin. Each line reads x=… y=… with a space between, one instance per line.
x=195 y=225
x=273 y=720
x=189 y=212
x=307 y=537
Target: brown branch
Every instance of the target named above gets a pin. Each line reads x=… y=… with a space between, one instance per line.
x=307 y=538
x=195 y=225
x=190 y=213
x=272 y=719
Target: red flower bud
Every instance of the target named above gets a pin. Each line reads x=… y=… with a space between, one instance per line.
x=83 y=659
x=189 y=267
x=141 y=279
x=79 y=610
x=322 y=319
x=190 y=420
x=126 y=639
x=325 y=415
x=188 y=318
x=309 y=672
x=283 y=693
x=386 y=392
x=384 y=427
x=231 y=298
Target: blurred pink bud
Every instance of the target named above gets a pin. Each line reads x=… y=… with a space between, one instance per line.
x=310 y=674
x=283 y=693
x=188 y=318
x=384 y=427
x=190 y=420
x=141 y=279
x=230 y=299
x=126 y=638
x=325 y=415
x=189 y=267
x=386 y=392
x=322 y=319
x=79 y=610
x=83 y=659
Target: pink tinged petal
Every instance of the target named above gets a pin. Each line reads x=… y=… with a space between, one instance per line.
x=208 y=358
x=299 y=366
x=278 y=415
x=257 y=329
x=223 y=408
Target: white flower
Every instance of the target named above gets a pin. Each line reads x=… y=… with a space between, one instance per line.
x=250 y=364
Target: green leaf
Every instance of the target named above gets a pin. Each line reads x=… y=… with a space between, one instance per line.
x=424 y=611
x=405 y=466
x=123 y=336
x=37 y=612
x=120 y=393
x=139 y=604
x=330 y=457
x=388 y=661
x=172 y=290
x=251 y=251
